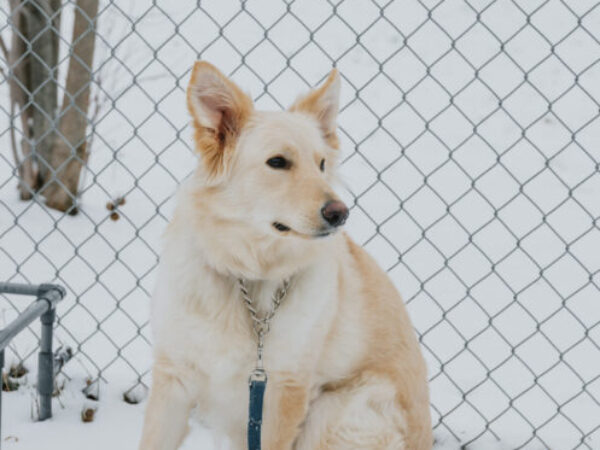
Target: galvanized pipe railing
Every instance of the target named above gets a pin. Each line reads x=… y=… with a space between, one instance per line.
x=47 y=296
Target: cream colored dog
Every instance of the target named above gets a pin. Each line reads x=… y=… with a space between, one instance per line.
x=344 y=366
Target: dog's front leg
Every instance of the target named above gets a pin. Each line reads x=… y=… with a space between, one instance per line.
x=167 y=412
x=286 y=407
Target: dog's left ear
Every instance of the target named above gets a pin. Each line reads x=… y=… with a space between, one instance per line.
x=219 y=110
x=323 y=103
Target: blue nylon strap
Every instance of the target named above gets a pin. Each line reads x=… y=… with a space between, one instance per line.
x=257 y=392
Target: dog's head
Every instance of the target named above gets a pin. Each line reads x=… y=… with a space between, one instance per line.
x=271 y=171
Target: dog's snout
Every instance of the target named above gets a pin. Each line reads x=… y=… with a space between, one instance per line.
x=335 y=213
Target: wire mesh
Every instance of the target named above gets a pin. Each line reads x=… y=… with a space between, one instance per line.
x=471 y=148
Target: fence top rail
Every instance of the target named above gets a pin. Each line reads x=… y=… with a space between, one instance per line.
x=47 y=296
x=36 y=290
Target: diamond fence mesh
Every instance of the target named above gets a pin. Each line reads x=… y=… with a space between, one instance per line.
x=470 y=149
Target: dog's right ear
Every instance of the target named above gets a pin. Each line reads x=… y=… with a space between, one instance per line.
x=219 y=111
x=323 y=104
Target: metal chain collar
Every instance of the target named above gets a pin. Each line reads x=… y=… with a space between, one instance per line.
x=262 y=325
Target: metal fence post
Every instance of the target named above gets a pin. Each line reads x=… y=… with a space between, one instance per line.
x=46 y=365
x=47 y=296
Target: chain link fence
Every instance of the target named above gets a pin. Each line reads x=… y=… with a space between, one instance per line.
x=470 y=151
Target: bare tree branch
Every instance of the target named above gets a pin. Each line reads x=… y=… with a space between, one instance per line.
x=3 y=48
x=20 y=89
x=13 y=142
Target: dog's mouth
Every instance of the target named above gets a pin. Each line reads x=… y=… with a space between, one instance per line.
x=281 y=227
x=285 y=229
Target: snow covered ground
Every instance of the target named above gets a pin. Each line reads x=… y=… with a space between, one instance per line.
x=476 y=186
x=116 y=424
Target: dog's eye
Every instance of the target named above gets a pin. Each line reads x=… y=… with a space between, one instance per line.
x=322 y=165
x=278 y=162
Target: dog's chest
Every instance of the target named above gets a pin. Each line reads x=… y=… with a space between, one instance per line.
x=291 y=346
x=220 y=346
x=295 y=331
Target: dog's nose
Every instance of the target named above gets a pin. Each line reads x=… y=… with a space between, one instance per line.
x=335 y=213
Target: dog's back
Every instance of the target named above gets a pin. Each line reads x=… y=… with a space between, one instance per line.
x=384 y=402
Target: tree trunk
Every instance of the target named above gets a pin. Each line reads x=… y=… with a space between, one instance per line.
x=43 y=27
x=69 y=152
x=52 y=146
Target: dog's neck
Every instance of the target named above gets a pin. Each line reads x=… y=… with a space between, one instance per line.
x=234 y=250
x=253 y=256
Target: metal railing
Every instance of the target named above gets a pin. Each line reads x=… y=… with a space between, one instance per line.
x=469 y=139
x=44 y=307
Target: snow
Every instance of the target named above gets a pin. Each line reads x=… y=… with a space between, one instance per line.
x=116 y=424
x=489 y=232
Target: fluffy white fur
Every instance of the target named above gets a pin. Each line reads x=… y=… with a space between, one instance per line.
x=345 y=370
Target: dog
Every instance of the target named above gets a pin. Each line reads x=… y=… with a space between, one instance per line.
x=342 y=359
